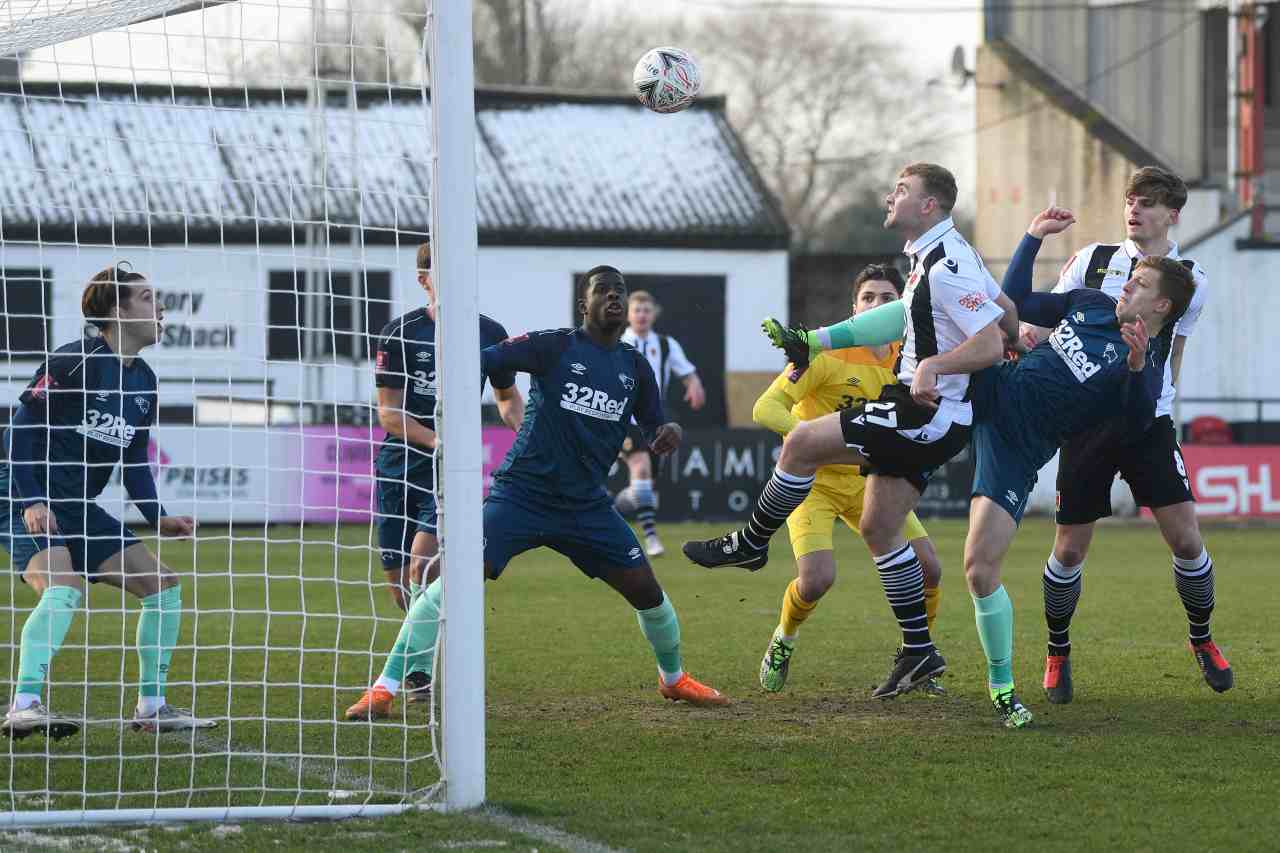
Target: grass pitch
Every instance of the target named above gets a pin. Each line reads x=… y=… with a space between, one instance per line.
x=1147 y=757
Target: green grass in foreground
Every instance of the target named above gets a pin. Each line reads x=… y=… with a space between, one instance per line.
x=1146 y=758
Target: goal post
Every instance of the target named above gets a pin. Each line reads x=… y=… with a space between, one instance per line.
x=272 y=170
x=454 y=236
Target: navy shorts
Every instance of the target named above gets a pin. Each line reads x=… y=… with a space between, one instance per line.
x=1003 y=469
x=89 y=532
x=404 y=511
x=596 y=540
x=1152 y=465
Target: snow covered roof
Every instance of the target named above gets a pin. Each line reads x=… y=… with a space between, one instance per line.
x=162 y=164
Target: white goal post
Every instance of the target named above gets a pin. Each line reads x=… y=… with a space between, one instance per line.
x=272 y=169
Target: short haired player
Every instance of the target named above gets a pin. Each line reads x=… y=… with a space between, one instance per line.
x=88 y=410
x=835 y=380
x=1103 y=361
x=1150 y=461
x=953 y=322
x=405 y=375
x=549 y=491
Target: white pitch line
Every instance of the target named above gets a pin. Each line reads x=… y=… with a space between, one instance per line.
x=542 y=832
x=334 y=775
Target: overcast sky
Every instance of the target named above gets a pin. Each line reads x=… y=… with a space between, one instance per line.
x=201 y=47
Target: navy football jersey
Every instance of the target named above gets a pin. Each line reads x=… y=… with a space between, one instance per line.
x=86 y=412
x=407 y=359
x=1078 y=377
x=581 y=400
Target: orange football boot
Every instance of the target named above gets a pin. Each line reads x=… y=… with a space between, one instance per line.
x=375 y=704
x=693 y=692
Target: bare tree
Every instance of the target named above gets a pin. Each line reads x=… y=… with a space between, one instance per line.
x=821 y=106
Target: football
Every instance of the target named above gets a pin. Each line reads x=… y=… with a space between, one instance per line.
x=667 y=79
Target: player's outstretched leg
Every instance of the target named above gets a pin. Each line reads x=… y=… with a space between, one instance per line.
x=414 y=651
x=661 y=628
x=1062 y=586
x=748 y=547
x=42 y=636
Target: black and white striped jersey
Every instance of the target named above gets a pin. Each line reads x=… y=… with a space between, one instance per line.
x=950 y=297
x=1107 y=266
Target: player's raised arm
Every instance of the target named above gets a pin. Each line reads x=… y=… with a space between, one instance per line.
x=1040 y=309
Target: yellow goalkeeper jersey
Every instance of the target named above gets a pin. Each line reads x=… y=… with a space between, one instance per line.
x=835 y=380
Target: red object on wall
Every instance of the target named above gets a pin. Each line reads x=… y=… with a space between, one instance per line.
x=1209 y=429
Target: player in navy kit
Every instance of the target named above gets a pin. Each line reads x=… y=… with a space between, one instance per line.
x=550 y=489
x=405 y=375
x=1104 y=358
x=90 y=408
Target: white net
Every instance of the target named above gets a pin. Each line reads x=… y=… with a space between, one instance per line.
x=266 y=166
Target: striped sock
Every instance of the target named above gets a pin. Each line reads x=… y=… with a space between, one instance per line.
x=646 y=504
x=1194 y=581
x=782 y=494
x=903 y=582
x=1062 y=586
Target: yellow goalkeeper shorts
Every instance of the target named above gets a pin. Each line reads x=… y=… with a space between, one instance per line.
x=813 y=522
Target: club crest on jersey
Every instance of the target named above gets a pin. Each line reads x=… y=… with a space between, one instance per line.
x=1067 y=344
x=578 y=368
x=1079 y=316
x=592 y=402
x=1110 y=354
x=144 y=405
x=628 y=382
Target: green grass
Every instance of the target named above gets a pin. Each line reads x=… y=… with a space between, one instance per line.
x=1147 y=757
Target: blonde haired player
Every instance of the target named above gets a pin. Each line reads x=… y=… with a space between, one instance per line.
x=835 y=380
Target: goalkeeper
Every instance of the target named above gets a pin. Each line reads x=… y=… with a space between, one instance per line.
x=835 y=380
x=90 y=408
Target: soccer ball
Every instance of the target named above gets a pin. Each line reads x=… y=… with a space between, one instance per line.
x=667 y=79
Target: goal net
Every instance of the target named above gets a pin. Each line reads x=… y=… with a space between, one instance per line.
x=268 y=167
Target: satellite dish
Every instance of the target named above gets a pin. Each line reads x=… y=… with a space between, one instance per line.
x=960 y=75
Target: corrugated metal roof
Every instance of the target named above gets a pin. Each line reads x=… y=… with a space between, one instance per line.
x=550 y=168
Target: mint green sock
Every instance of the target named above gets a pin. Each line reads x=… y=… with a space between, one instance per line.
x=157 y=635
x=882 y=325
x=994 y=615
x=43 y=634
x=662 y=630
x=420 y=663
x=416 y=643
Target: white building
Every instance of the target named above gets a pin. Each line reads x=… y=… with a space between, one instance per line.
x=225 y=199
